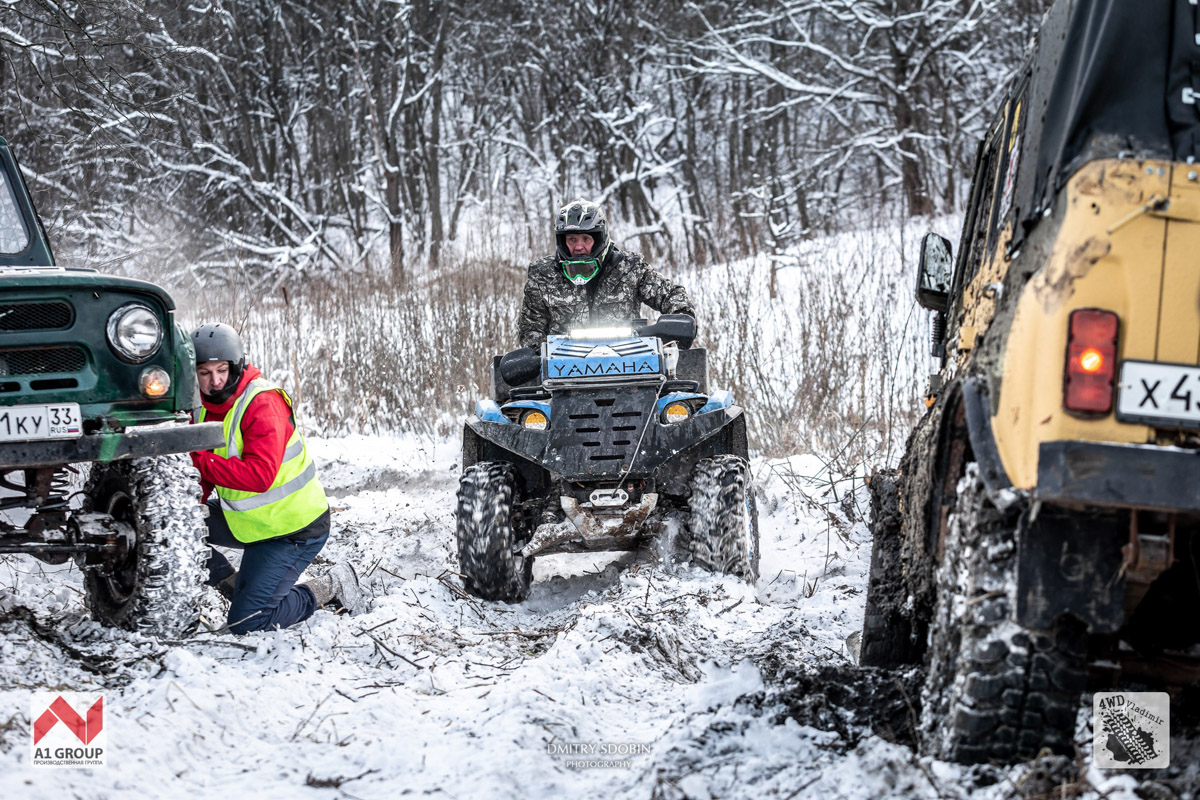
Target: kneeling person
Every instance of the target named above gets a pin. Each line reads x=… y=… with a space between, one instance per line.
x=269 y=501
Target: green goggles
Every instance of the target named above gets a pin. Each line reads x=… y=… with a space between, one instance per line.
x=580 y=271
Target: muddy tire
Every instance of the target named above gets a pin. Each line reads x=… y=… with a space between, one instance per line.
x=488 y=543
x=886 y=630
x=722 y=528
x=157 y=588
x=994 y=690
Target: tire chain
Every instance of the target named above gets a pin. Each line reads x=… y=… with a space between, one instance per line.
x=715 y=534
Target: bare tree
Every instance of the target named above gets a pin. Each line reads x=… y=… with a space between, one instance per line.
x=277 y=137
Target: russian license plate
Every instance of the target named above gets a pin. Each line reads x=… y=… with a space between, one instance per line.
x=1159 y=394
x=51 y=421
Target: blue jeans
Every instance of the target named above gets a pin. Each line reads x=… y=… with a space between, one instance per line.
x=265 y=593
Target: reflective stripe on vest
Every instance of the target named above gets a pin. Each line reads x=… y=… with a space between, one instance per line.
x=295 y=497
x=274 y=494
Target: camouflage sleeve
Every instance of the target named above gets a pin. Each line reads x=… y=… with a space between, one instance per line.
x=534 y=322
x=661 y=294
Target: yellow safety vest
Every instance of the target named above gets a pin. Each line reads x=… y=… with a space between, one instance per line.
x=294 y=499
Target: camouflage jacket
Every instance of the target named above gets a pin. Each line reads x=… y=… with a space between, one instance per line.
x=553 y=304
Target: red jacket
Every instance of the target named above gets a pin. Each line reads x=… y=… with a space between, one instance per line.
x=266 y=427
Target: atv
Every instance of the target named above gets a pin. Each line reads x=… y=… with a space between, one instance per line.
x=589 y=444
x=96 y=383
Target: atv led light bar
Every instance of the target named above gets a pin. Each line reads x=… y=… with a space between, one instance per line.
x=602 y=334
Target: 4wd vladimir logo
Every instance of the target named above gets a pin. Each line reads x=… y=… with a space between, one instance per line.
x=68 y=730
x=1132 y=730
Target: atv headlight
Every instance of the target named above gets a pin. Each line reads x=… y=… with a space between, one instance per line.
x=676 y=412
x=534 y=421
x=134 y=332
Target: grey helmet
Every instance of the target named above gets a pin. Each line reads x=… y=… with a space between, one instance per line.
x=216 y=341
x=582 y=216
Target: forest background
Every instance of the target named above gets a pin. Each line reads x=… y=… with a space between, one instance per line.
x=358 y=186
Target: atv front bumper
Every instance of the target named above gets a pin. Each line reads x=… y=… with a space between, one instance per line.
x=1119 y=475
x=154 y=440
x=658 y=446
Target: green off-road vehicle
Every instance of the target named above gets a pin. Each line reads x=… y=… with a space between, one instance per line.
x=1042 y=534
x=95 y=371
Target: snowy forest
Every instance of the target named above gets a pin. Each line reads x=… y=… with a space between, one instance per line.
x=358 y=188
x=404 y=159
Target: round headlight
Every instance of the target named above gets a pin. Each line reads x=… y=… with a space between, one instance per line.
x=676 y=412
x=534 y=420
x=134 y=332
x=155 y=382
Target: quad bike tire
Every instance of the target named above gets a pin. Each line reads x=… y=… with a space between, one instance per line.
x=156 y=589
x=995 y=691
x=489 y=557
x=722 y=529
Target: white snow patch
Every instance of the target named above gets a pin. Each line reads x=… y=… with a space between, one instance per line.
x=621 y=676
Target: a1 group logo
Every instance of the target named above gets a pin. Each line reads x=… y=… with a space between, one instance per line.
x=68 y=730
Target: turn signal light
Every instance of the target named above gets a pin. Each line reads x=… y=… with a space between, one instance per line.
x=676 y=412
x=534 y=421
x=155 y=382
x=1091 y=361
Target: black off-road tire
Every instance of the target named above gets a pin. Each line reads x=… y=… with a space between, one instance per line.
x=722 y=528
x=488 y=542
x=994 y=690
x=886 y=629
x=157 y=589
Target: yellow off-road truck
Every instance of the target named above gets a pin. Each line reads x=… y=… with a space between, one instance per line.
x=1040 y=535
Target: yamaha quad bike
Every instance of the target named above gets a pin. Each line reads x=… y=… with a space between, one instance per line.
x=586 y=446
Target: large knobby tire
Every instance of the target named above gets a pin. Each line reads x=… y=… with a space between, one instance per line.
x=722 y=529
x=157 y=588
x=886 y=630
x=994 y=690
x=488 y=543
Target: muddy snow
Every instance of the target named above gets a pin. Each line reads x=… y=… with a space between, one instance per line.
x=623 y=676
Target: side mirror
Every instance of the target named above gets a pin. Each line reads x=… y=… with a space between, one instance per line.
x=934 y=273
x=679 y=328
x=521 y=365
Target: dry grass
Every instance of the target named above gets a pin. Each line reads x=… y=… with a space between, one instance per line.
x=360 y=355
x=828 y=366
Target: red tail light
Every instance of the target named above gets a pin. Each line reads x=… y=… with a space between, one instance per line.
x=1091 y=361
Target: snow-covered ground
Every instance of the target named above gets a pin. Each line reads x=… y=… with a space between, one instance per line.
x=619 y=677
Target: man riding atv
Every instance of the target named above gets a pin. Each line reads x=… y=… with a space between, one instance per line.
x=601 y=426
x=589 y=282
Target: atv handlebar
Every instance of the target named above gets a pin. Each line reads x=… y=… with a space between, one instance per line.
x=678 y=328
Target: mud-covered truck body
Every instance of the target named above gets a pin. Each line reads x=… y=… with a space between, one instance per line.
x=95 y=371
x=1041 y=531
